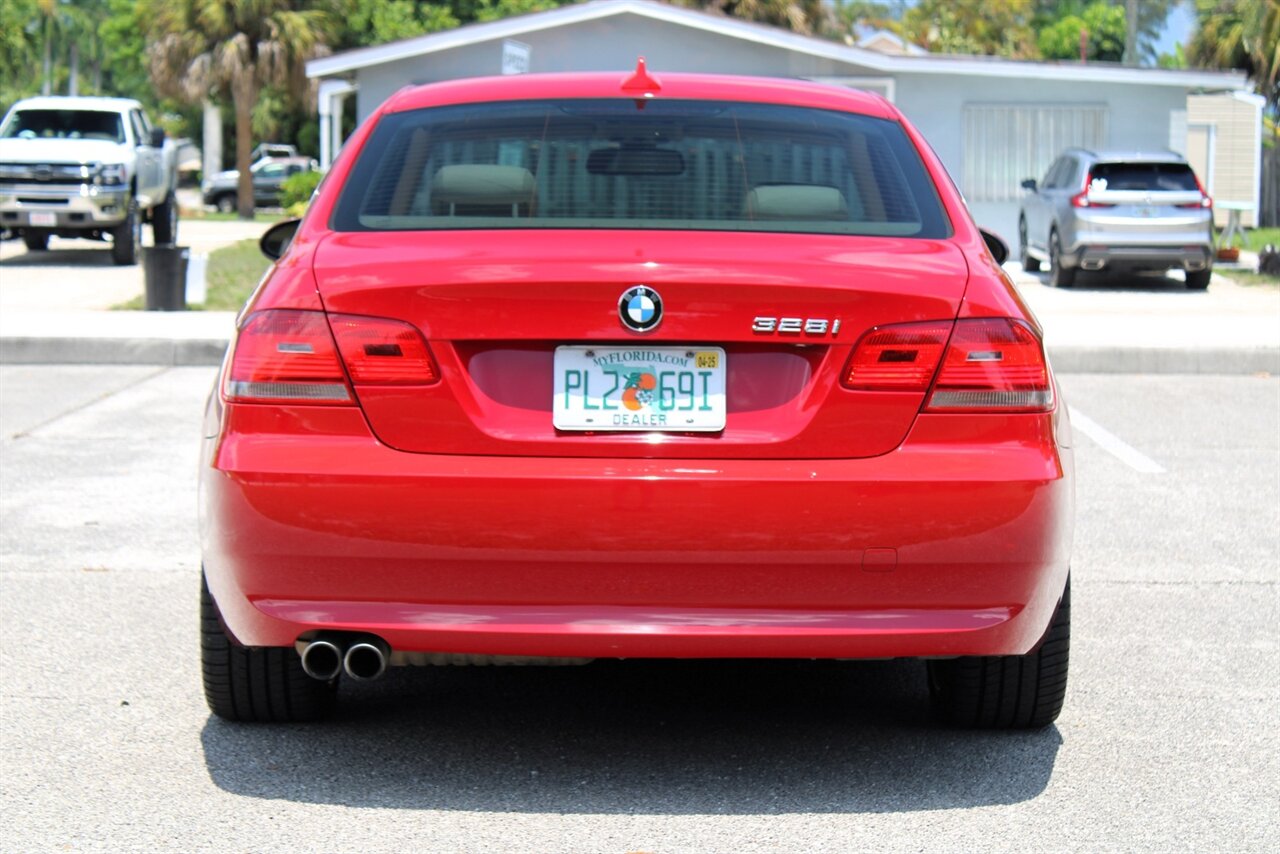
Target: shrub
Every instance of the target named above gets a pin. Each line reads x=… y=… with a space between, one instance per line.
x=297 y=188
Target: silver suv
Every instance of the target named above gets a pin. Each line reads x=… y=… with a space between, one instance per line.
x=1114 y=210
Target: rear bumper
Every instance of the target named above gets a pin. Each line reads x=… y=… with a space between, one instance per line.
x=956 y=543
x=1100 y=256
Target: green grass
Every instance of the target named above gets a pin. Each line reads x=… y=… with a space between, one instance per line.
x=231 y=276
x=1260 y=237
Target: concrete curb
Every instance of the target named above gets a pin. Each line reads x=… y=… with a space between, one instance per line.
x=112 y=351
x=1100 y=359
x=1067 y=359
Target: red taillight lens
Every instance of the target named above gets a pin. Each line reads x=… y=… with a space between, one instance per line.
x=1205 y=201
x=378 y=351
x=1081 y=199
x=286 y=356
x=897 y=358
x=992 y=365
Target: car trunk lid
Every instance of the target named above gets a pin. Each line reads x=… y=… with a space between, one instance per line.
x=494 y=306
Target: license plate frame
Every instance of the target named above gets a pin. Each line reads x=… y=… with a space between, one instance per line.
x=43 y=219
x=639 y=388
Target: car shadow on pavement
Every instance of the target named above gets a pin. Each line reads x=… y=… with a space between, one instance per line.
x=728 y=737
x=95 y=257
x=1161 y=283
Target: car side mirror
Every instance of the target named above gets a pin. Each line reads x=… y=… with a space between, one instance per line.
x=156 y=139
x=1029 y=184
x=275 y=240
x=998 y=247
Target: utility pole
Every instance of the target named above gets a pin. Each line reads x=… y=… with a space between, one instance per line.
x=1131 y=32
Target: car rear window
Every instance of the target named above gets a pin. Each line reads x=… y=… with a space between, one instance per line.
x=1172 y=177
x=623 y=164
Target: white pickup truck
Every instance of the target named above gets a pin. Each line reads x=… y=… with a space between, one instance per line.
x=86 y=167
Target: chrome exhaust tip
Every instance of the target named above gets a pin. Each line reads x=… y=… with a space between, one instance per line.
x=322 y=659
x=365 y=661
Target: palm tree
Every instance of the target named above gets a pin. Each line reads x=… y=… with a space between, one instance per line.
x=1241 y=34
x=231 y=49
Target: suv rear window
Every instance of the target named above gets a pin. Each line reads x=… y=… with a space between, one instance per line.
x=1169 y=177
x=613 y=163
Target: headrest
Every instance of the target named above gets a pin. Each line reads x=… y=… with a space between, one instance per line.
x=482 y=184
x=797 y=201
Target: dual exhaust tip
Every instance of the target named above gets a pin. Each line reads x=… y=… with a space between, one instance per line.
x=363 y=661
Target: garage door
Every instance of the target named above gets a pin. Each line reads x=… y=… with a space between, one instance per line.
x=1005 y=143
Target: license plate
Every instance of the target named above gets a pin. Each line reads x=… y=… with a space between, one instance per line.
x=639 y=388
x=44 y=219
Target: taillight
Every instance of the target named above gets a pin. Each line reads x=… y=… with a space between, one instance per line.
x=291 y=356
x=992 y=365
x=378 y=351
x=286 y=356
x=897 y=358
x=1081 y=199
x=1205 y=200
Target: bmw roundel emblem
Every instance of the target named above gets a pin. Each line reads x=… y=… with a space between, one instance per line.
x=640 y=308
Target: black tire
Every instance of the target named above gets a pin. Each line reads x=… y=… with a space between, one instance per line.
x=1007 y=692
x=37 y=241
x=1029 y=264
x=1059 y=276
x=226 y=203
x=126 y=238
x=164 y=221
x=259 y=684
x=1198 y=280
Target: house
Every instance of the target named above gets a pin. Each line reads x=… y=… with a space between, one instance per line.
x=993 y=122
x=1224 y=146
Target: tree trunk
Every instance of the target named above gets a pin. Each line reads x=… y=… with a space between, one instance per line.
x=243 y=94
x=73 y=80
x=48 y=55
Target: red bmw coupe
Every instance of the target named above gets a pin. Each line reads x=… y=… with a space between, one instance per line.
x=564 y=367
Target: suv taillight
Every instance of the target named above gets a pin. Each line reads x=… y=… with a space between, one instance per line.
x=1081 y=199
x=292 y=356
x=992 y=365
x=1205 y=200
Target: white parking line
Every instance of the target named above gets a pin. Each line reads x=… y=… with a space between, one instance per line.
x=1113 y=444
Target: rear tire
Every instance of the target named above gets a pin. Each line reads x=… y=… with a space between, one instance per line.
x=36 y=242
x=1010 y=691
x=1059 y=276
x=1199 y=280
x=226 y=203
x=126 y=238
x=164 y=221
x=262 y=684
x=1029 y=264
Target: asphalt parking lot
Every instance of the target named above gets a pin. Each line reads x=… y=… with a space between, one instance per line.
x=1167 y=741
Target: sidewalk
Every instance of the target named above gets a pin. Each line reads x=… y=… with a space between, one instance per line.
x=1138 y=325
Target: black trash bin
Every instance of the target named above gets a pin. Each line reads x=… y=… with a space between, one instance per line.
x=165 y=270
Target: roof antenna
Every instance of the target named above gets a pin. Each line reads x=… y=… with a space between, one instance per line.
x=640 y=84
